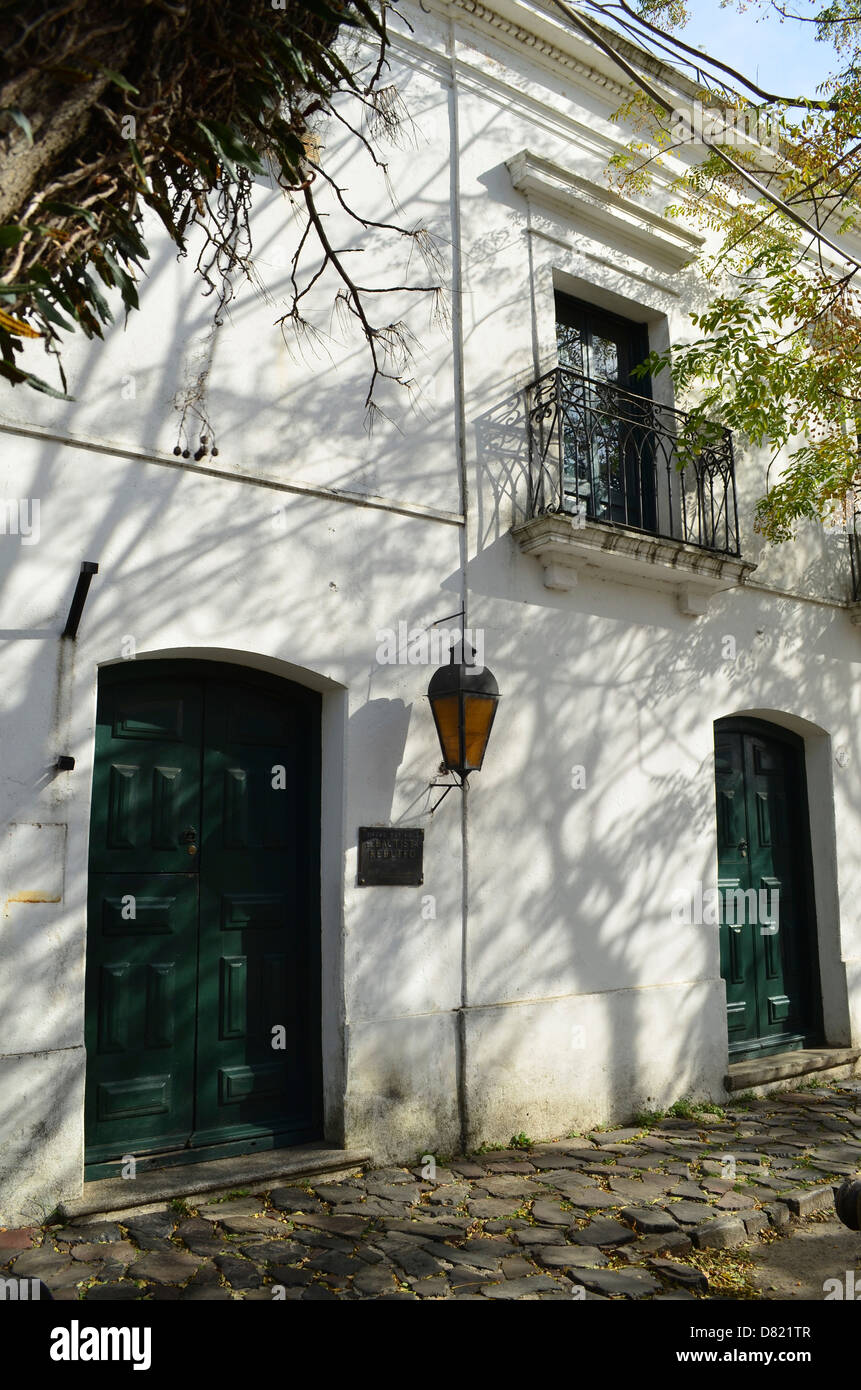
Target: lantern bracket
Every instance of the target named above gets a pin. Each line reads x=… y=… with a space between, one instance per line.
x=464 y=644
x=449 y=787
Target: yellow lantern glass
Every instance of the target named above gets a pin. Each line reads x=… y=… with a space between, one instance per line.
x=463 y=700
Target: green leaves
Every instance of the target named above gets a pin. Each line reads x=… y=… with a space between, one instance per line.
x=16 y=375
x=118 y=80
x=138 y=161
x=230 y=148
x=330 y=15
x=197 y=104
x=113 y=275
x=775 y=352
x=72 y=210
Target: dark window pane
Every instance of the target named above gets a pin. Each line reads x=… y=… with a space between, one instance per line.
x=569 y=347
x=607 y=462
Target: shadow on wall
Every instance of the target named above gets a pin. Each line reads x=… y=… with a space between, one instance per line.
x=611 y=679
x=576 y=862
x=380 y=729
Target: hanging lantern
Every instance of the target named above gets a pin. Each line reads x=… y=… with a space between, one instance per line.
x=463 y=701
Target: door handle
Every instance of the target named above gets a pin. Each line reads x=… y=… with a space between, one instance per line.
x=189 y=839
x=742 y=848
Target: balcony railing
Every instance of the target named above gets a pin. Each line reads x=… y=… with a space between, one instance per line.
x=599 y=453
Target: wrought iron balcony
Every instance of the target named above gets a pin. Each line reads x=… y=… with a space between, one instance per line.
x=600 y=453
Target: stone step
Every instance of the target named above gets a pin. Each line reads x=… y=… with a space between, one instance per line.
x=762 y=1071
x=214 y=1175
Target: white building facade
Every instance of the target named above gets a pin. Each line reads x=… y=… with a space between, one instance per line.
x=678 y=715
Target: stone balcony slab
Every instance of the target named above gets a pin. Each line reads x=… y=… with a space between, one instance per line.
x=570 y=546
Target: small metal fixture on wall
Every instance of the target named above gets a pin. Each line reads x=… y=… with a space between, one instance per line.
x=79 y=598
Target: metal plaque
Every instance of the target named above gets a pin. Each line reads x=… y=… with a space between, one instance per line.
x=390 y=854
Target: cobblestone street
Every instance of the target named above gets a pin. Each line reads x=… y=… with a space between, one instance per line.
x=687 y=1206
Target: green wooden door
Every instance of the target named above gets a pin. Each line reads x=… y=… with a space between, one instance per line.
x=767 y=931
x=202 y=997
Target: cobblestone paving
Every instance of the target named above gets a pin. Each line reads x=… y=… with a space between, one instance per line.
x=653 y=1212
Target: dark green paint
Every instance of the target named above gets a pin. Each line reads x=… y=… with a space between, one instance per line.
x=768 y=957
x=195 y=825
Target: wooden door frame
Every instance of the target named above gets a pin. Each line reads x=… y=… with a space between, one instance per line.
x=191 y=668
x=746 y=724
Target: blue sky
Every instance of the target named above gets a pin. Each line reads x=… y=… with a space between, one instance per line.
x=782 y=57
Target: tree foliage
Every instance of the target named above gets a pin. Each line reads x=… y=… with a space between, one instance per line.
x=776 y=177
x=176 y=105
x=108 y=110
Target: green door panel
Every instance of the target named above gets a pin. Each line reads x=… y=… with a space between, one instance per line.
x=146 y=781
x=203 y=982
x=139 y=1026
x=255 y=1017
x=737 y=947
x=767 y=934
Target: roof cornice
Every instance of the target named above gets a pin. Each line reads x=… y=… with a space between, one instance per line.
x=531 y=24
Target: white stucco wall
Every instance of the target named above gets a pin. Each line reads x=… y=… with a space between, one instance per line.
x=551 y=990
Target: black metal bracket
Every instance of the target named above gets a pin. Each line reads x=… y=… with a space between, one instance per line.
x=449 y=787
x=461 y=613
x=79 y=598
x=65 y=763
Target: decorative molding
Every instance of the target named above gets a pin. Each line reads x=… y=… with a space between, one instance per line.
x=420 y=56
x=488 y=18
x=676 y=83
x=568 y=546
x=479 y=73
x=600 y=144
x=163 y=460
x=655 y=237
x=537 y=27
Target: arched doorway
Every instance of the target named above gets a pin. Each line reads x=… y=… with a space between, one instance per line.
x=203 y=942
x=768 y=942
